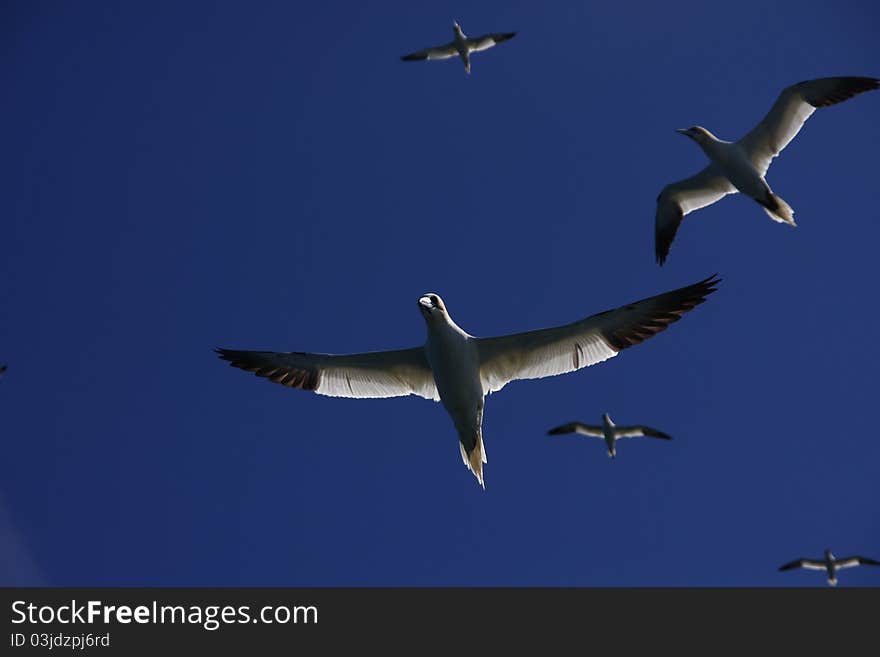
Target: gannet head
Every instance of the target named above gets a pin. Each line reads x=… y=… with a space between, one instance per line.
x=432 y=307
x=698 y=133
x=456 y=26
x=606 y=417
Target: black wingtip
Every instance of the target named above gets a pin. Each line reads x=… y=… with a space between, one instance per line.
x=844 y=89
x=225 y=354
x=698 y=291
x=661 y=248
x=710 y=283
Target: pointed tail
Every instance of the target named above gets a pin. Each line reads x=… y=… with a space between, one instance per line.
x=475 y=459
x=777 y=209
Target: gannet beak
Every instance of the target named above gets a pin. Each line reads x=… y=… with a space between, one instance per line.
x=681 y=131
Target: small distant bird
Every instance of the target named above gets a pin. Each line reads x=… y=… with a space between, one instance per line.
x=609 y=431
x=741 y=166
x=830 y=564
x=461 y=45
x=460 y=370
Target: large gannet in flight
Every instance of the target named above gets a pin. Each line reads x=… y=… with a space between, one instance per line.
x=460 y=370
x=829 y=564
x=742 y=165
x=460 y=45
x=609 y=431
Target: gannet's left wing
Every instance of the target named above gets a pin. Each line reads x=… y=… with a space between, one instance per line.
x=561 y=349
x=792 y=109
x=849 y=562
x=488 y=40
x=638 y=432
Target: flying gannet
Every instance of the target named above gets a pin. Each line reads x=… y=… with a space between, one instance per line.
x=460 y=45
x=830 y=564
x=460 y=370
x=742 y=165
x=609 y=431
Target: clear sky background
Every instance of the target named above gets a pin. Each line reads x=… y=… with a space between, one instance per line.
x=180 y=176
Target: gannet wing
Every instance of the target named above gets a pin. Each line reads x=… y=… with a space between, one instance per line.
x=488 y=40
x=437 y=52
x=368 y=375
x=552 y=351
x=792 y=109
x=578 y=427
x=809 y=564
x=849 y=562
x=679 y=198
x=638 y=432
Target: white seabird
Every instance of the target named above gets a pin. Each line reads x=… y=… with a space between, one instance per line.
x=460 y=370
x=460 y=45
x=830 y=564
x=609 y=431
x=741 y=166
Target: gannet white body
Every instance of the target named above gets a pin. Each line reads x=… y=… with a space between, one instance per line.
x=460 y=45
x=830 y=564
x=460 y=370
x=741 y=166
x=610 y=432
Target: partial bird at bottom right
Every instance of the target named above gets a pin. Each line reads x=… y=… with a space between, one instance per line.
x=830 y=564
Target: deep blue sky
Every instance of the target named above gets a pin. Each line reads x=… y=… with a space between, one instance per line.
x=180 y=176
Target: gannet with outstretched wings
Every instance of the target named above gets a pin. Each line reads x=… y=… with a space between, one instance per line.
x=609 y=431
x=741 y=166
x=460 y=45
x=830 y=564
x=459 y=369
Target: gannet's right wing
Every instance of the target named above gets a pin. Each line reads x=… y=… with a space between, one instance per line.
x=437 y=52
x=679 y=198
x=368 y=375
x=809 y=564
x=578 y=427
